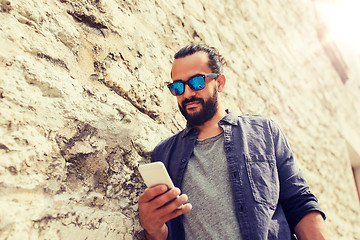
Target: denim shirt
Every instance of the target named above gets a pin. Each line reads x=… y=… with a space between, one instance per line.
x=270 y=193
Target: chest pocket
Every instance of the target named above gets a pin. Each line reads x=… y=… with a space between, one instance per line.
x=263 y=178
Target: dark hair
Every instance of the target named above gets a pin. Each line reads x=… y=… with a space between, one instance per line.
x=216 y=61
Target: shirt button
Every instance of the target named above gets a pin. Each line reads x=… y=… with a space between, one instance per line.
x=241 y=208
x=183 y=160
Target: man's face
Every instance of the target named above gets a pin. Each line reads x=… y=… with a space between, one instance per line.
x=196 y=106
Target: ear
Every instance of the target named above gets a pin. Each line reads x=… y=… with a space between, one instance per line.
x=221 y=82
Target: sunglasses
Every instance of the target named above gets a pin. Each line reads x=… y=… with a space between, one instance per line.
x=195 y=83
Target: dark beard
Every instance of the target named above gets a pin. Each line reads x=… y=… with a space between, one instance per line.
x=209 y=108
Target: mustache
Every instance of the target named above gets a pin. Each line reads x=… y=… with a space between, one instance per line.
x=193 y=99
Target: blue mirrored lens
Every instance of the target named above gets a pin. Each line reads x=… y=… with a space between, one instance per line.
x=197 y=83
x=177 y=88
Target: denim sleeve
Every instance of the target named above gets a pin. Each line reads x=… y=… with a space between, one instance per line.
x=295 y=196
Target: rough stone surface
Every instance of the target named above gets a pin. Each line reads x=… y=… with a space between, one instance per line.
x=83 y=101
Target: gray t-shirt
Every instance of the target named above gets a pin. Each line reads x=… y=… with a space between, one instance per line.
x=207 y=183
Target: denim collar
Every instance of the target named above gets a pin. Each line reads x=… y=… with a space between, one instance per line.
x=230 y=118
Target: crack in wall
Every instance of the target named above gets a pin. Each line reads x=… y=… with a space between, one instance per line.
x=67 y=219
x=89 y=20
x=100 y=69
x=135 y=102
x=56 y=61
x=4 y=147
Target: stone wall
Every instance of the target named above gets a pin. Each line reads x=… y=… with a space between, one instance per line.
x=83 y=101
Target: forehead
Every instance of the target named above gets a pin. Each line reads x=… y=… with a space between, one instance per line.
x=184 y=68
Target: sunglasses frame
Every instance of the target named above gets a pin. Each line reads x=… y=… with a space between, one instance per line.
x=203 y=76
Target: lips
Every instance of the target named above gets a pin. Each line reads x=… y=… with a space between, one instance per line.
x=193 y=104
x=190 y=104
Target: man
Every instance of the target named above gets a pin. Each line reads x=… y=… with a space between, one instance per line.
x=238 y=171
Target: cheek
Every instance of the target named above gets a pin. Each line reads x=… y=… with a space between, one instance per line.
x=179 y=100
x=213 y=89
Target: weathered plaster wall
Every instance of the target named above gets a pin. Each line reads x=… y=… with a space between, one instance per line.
x=83 y=101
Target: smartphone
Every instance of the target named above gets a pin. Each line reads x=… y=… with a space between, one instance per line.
x=154 y=174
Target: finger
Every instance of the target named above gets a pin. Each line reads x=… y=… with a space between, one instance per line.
x=166 y=198
x=173 y=205
x=150 y=193
x=186 y=208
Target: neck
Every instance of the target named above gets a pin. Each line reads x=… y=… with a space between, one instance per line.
x=211 y=127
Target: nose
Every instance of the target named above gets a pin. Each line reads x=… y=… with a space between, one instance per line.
x=188 y=92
